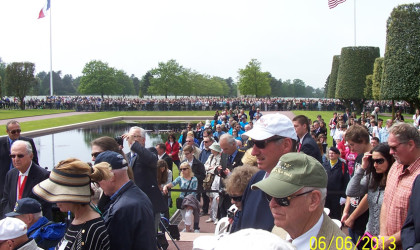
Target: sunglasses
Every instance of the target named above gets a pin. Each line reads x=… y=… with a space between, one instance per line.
x=95 y=154
x=378 y=161
x=183 y=169
x=16 y=131
x=236 y=198
x=18 y=156
x=206 y=141
x=262 y=144
x=285 y=202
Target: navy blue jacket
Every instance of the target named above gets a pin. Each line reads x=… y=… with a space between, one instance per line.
x=410 y=232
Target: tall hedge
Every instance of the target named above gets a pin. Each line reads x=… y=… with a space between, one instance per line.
x=355 y=64
x=378 y=69
x=368 y=88
x=401 y=76
x=333 y=76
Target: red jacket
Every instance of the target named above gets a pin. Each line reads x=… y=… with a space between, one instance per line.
x=174 y=150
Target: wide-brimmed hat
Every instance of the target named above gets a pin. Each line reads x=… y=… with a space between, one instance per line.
x=293 y=172
x=216 y=147
x=270 y=125
x=64 y=187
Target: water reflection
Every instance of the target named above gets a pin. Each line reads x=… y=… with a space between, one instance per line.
x=76 y=143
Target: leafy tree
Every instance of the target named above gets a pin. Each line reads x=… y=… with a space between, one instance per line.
x=2 y=76
x=145 y=84
x=355 y=64
x=19 y=80
x=136 y=84
x=233 y=88
x=378 y=69
x=98 y=78
x=166 y=78
x=76 y=83
x=275 y=86
x=401 y=76
x=252 y=81
x=122 y=79
x=333 y=77
x=367 y=92
x=68 y=87
x=326 y=87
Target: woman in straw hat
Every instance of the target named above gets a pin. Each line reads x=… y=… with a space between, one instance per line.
x=69 y=187
x=211 y=164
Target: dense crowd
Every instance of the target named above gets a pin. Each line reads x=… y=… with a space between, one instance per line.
x=95 y=103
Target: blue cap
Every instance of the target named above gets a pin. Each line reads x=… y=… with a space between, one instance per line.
x=116 y=160
x=25 y=206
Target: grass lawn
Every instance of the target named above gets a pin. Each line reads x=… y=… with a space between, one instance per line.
x=10 y=114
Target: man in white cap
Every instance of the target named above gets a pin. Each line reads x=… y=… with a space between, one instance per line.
x=272 y=136
x=13 y=235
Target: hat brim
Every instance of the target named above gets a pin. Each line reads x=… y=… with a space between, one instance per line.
x=54 y=192
x=276 y=188
x=12 y=214
x=258 y=134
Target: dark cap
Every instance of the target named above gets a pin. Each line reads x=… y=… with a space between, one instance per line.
x=116 y=160
x=335 y=150
x=25 y=206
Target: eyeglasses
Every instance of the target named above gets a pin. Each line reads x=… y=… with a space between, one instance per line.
x=137 y=136
x=285 y=202
x=183 y=169
x=16 y=131
x=262 y=144
x=188 y=141
x=394 y=148
x=95 y=154
x=18 y=156
x=378 y=161
x=236 y=198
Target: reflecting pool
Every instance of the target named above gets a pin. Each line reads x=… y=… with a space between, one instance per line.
x=76 y=143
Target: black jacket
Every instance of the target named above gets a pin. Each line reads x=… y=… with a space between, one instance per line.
x=310 y=147
x=410 y=232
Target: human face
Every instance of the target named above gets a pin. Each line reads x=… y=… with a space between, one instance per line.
x=301 y=130
x=235 y=198
x=398 y=150
x=107 y=187
x=332 y=155
x=374 y=143
x=96 y=150
x=190 y=141
x=19 y=149
x=380 y=168
x=316 y=125
x=13 y=131
x=359 y=148
x=65 y=206
x=206 y=142
x=268 y=156
x=189 y=155
x=292 y=216
x=227 y=147
x=136 y=136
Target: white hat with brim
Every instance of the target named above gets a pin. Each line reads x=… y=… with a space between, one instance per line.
x=271 y=125
x=64 y=187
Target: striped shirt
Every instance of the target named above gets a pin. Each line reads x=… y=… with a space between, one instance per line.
x=89 y=235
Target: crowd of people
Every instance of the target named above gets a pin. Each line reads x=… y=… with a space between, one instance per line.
x=131 y=103
x=262 y=171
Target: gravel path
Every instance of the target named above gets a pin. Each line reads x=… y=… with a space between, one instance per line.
x=43 y=117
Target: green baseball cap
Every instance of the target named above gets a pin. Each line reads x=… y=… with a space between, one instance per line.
x=293 y=172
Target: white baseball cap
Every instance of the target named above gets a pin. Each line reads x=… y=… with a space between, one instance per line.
x=12 y=228
x=270 y=125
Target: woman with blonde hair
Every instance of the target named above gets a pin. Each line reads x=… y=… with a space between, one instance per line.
x=69 y=185
x=190 y=205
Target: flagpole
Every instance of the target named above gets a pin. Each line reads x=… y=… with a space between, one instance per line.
x=355 y=23
x=51 y=76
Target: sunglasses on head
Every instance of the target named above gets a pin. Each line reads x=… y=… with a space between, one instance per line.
x=95 y=154
x=16 y=131
x=285 y=202
x=378 y=161
x=262 y=144
x=236 y=198
x=18 y=156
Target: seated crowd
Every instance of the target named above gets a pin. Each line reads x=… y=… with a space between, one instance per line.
x=264 y=172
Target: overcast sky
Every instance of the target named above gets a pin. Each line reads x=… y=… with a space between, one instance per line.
x=292 y=39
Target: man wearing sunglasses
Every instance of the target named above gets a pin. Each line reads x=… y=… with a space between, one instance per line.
x=272 y=136
x=296 y=190
x=22 y=178
x=13 y=133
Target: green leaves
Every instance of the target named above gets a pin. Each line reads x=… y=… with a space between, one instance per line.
x=19 y=80
x=252 y=81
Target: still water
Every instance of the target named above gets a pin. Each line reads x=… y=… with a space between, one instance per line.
x=76 y=143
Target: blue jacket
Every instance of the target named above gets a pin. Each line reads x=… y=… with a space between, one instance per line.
x=130 y=219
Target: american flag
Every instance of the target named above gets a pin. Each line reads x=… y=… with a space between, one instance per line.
x=334 y=3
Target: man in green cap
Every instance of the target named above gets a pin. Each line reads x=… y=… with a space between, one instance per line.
x=296 y=189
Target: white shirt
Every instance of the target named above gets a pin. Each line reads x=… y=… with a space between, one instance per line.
x=302 y=242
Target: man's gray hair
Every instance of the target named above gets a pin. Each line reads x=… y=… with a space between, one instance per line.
x=11 y=122
x=323 y=192
x=27 y=145
x=142 y=131
x=405 y=132
x=229 y=139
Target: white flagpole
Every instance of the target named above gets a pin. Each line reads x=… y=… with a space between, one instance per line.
x=354 y=22
x=51 y=76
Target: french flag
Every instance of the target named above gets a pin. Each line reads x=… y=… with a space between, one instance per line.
x=44 y=10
